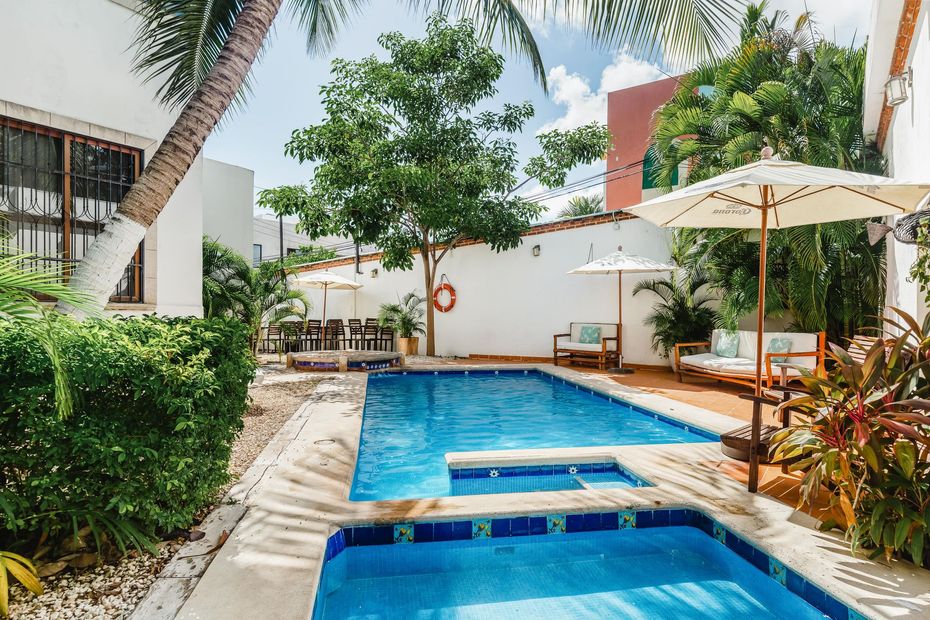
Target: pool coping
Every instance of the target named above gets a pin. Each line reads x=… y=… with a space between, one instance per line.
x=274 y=556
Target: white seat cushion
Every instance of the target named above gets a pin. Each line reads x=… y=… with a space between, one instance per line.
x=581 y=346
x=730 y=365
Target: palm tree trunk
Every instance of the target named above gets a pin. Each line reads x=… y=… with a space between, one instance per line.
x=101 y=268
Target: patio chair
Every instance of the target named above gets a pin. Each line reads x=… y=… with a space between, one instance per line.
x=370 y=336
x=313 y=335
x=386 y=339
x=335 y=334
x=272 y=340
x=356 y=334
x=587 y=343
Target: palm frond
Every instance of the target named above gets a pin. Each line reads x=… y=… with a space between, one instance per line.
x=322 y=20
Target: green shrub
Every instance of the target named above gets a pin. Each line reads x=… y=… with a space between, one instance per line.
x=158 y=403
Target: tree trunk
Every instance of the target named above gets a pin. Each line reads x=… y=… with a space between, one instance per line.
x=428 y=277
x=101 y=268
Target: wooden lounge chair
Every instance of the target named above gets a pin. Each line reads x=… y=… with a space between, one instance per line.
x=808 y=350
x=587 y=343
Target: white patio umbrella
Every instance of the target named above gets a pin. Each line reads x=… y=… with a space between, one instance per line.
x=325 y=280
x=772 y=193
x=619 y=263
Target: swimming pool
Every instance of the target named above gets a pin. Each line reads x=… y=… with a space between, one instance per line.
x=412 y=420
x=661 y=572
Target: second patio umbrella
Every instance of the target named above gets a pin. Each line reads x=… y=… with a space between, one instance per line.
x=619 y=263
x=772 y=193
x=326 y=280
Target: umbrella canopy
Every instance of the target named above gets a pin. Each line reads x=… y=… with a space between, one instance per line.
x=325 y=280
x=778 y=194
x=797 y=194
x=620 y=262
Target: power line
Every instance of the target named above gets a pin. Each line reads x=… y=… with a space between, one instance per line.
x=586 y=183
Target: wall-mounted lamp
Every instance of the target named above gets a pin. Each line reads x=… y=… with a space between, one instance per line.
x=374 y=273
x=897 y=86
x=535 y=250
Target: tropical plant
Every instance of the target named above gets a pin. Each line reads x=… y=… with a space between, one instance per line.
x=866 y=437
x=269 y=299
x=787 y=88
x=919 y=271
x=405 y=317
x=683 y=313
x=23 y=571
x=259 y=296
x=405 y=162
x=226 y=275
x=201 y=51
x=582 y=205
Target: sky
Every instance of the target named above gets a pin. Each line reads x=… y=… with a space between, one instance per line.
x=287 y=82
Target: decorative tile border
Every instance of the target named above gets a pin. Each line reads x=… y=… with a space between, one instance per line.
x=696 y=430
x=556 y=524
x=547 y=469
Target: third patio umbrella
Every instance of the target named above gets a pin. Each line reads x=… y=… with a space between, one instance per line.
x=772 y=193
x=619 y=263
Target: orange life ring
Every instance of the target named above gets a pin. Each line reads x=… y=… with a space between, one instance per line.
x=445 y=286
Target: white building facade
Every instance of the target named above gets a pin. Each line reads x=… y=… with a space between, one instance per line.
x=899 y=46
x=76 y=128
x=509 y=304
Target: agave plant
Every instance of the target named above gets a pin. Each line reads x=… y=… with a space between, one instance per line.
x=405 y=317
x=866 y=437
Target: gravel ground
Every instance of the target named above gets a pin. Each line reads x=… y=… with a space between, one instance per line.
x=112 y=591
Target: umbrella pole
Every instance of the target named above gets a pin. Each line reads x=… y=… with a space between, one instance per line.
x=325 y=331
x=753 y=485
x=620 y=370
x=619 y=318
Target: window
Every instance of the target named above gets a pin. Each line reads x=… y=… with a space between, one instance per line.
x=648 y=165
x=256 y=253
x=291 y=251
x=57 y=191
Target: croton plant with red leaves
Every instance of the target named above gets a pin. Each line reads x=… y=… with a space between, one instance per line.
x=865 y=439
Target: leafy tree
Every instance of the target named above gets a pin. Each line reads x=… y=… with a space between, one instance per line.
x=309 y=254
x=200 y=53
x=582 y=205
x=406 y=163
x=785 y=87
x=682 y=314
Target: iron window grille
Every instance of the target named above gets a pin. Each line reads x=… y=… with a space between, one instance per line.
x=57 y=191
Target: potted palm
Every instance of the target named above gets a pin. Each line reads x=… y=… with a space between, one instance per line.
x=405 y=318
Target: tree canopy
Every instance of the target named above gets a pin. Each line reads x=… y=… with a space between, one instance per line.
x=411 y=158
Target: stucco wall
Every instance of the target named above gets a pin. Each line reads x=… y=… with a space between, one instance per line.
x=908 y=135
x=228 y=195
x=67 y=65
x=629 y=118
x=512 y=303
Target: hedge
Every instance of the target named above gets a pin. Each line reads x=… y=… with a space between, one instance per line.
x=158 y=403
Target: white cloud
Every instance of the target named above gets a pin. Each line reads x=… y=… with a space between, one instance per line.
x=584 y=104
x=840 y=21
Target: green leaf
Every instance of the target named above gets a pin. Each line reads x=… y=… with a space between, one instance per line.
x=906 y=455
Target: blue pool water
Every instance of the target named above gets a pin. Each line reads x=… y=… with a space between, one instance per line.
x=411 y=421
x=668 y=573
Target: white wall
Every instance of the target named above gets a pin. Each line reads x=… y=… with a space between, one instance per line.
x=512 y=303
x=228 y=194
x=67 y=65
x=908 y=135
